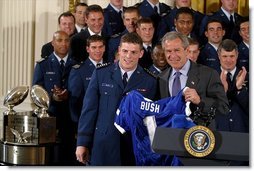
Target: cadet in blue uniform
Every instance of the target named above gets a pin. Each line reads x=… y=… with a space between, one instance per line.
x=80 y=74
x=113 y=20
x=224 y=14
x=130 y=17
x=159 y=60
x=235 y=82
x=168 y=24
x=52 y=74
x=97 y=135
x=153 y=9
x=66 y=22
x=243 y=47
x=208 y=55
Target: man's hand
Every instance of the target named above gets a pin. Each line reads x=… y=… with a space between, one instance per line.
x=59 y=94
x=82 y=154
x=191 y=95
x=240 y=78
x=223 y=78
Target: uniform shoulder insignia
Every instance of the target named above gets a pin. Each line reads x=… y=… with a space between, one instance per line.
x=42 y=59
x=103 y=65
x=76 y=66
x=137 y=4
x=116 y=35
x=150 y=73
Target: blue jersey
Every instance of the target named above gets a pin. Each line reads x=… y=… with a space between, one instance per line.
x=168 y=112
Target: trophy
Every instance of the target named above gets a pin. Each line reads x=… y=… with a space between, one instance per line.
x=14 y=97
x=40 y=98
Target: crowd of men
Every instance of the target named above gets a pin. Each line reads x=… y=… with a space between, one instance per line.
x=99 y=55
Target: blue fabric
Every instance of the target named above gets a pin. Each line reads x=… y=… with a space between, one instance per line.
x=168 y=112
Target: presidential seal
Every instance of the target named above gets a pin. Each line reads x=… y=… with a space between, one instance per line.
x=199 y=141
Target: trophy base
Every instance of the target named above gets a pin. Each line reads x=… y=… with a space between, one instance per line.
x=15 y=154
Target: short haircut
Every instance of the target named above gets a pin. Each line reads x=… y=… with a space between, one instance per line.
x=175 y=35
x=66 y=14
x=79 y=4
x=130 y=10
x=193 y=41
x=93 y=8
x=241 y=21
x=144 y=21
x=184 y=10
x=95 y=38
x=227 y=45
x=214 y=20
x=132 y=38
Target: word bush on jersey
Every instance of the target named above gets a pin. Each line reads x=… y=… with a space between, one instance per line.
x=140 y=116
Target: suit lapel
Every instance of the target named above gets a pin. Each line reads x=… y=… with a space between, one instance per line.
x=164 y=76
x=193 y=76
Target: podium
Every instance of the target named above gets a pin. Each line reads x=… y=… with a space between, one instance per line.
x=228 y=146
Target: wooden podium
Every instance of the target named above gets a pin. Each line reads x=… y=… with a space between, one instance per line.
x=229 y=146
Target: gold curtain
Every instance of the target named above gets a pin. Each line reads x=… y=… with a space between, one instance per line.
x=210 y=6
x=72 y=4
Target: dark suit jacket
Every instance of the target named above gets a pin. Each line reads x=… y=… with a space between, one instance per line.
x=96 y=124
x=47 y=49
x=205 y=81
x=78 y=45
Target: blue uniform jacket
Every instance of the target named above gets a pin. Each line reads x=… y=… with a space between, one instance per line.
x=167 y=23
x=47 y=73
x=237 y=119
x=231 y=32
x=243 y=57
x=96 y=124
x=113 y=22
x=113 y=44
x=79 y=79
x=208 y=56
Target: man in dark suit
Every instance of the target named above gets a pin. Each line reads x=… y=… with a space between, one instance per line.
x=80 y=16
x=80 y=74
x=94 y=20
x=145 y=29
x=204 y=88
x=113 y=20
x=66 y=22
x=97 y=135
x=52 y=74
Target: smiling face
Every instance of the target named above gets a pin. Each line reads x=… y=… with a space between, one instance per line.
x=175 y=53
x=129 y=54
x=61 y=43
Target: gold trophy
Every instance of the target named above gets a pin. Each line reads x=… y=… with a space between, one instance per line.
x=40 y=98
x=14 y=97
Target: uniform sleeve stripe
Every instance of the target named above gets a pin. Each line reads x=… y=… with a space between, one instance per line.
x=119 y=128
